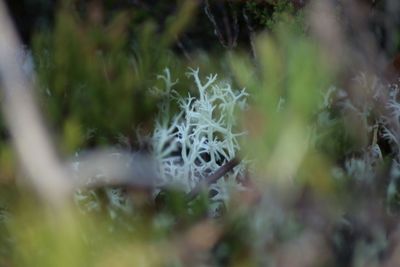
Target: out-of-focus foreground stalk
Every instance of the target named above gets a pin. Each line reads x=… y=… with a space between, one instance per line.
x=30 y=137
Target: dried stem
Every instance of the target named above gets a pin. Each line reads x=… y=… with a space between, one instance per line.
x=224 y=169
x=30 y=137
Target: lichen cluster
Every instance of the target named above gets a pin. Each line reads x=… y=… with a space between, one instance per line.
x=201 y=137
x=187 y=146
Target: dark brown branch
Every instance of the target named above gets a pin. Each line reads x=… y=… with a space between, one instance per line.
x=224 y=169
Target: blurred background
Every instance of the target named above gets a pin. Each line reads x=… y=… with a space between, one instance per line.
x=316 y=168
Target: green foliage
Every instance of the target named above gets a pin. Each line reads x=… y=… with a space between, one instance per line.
x=268 y=14
x=94 y=81
x=286 y=93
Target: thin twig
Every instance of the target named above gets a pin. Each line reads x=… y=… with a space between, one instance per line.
x=231 y=34
x=252 y=33
x=224 y=169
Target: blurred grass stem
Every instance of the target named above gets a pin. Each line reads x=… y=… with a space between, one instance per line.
x=30 y=137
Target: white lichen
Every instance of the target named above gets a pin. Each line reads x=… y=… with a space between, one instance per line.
x=198 y=140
